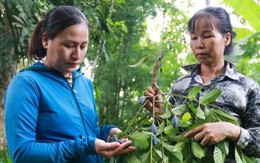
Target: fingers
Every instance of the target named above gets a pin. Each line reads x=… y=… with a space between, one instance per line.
x=114 y=148
x=199 y=135
x=193 y=131
x=205 y=140
x=149 y=92
x=109 y=149
x=152 y=95
x=208 y=133
x=103 y=148
x=109 y=146
x=125 y=148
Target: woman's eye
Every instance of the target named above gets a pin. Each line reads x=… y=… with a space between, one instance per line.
x=83 y=47
x=69 y=45
x=207 y=36
x=193 y=38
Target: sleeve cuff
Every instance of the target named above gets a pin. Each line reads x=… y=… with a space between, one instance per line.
x=86 y=145
x=243 y=138
x=104 y=131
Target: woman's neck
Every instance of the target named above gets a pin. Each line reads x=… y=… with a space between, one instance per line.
x=209 y=72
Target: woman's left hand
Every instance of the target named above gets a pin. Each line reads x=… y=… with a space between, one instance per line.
x=212 y=133
x=110 y=149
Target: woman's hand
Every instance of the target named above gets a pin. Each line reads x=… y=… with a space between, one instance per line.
x=213 y=133
x=114 y=148
x=151 y=95
x=113 y=131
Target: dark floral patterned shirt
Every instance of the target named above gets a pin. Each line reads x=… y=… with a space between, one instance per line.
x=240 y=97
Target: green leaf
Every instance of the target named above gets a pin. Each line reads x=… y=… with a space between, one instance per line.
x=217 y=155
x=237 y=156
x=244 y=158
x=158 y=156
x=247 y=159
x=19 y=21
x=186 y=117
x=180 y=138
x=145 y=157
x=212 y=117
x=178 y=147
x=166 y=115
x=206 y=111
x=242 y=7
x=141 y=62
x=200 y=114
x=179 y=110
x=223 y=116
x=17 y=25
x=242 y=33
x=174 y=154
x=128 y=158
x=178 y=157
x=169 y=129
x=161 y=127
x=197 y=150
x=224 y=147
x=210 y=97
x=193 y=93
x=186 y=124
x=192 y=108
x=140 y=140
x=120 y=1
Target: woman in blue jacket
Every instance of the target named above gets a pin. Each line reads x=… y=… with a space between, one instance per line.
x=50 y=111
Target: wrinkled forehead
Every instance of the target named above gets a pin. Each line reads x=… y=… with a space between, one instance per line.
x=205 y=21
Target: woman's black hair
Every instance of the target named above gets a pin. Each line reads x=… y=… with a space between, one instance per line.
x=223 y=23
x=55 y=21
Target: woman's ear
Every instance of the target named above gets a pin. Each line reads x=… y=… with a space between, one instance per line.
x=227 y=39
x=44 y=40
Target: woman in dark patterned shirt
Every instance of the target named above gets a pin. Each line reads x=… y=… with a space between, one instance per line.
x=211 y=38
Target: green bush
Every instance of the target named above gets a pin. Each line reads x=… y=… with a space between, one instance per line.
x=4 y=156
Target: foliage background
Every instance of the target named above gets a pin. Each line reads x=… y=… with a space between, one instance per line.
x=118 y=39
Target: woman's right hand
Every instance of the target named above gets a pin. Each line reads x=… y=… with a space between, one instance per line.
x=112 y=149
x=151 y=95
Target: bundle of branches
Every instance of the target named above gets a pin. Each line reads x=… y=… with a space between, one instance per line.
x=160 y=138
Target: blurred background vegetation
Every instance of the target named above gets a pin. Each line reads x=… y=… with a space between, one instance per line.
x=122 y=52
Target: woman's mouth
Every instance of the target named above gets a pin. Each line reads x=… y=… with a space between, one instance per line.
x=73 y=65
x=198 y=54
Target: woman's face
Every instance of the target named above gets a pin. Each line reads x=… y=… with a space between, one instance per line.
x=66 y=51
x=207 y=43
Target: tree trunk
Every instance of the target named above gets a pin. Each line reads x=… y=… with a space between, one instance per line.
x=6 y=77
x=7 y=71
x=2 y=128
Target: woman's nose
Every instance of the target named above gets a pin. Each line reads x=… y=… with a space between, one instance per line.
x=76 y=53
x=199 y=43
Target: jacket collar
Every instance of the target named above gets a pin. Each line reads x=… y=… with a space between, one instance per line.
x=39 y=66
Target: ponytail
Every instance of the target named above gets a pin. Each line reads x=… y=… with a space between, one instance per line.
x=36 y=49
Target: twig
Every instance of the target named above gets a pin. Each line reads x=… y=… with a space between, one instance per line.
x=155 y=72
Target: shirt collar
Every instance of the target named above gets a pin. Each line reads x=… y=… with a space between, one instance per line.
x=230 y=70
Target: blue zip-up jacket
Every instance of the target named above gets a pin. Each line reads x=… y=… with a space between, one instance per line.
x=48 y=121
